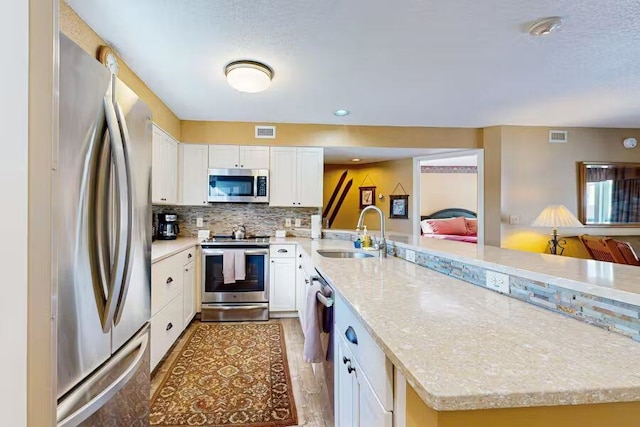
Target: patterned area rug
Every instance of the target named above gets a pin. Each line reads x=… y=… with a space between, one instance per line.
x=228 y=374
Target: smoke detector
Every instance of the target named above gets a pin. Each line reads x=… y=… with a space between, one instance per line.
x=545 y=26
x=630 y=143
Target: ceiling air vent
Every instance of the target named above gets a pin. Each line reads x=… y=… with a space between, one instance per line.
x=558 y=136
x=266 y=132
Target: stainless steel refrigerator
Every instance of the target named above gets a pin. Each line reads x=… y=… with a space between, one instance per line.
x=102 y=230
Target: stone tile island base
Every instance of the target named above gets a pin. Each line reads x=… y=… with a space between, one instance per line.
x=600 y=415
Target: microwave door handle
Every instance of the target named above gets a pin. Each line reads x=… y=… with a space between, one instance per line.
x=121 y=214
x=128 y=228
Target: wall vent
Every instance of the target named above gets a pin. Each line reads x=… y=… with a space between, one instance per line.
x=266 y=132
x=558 y=136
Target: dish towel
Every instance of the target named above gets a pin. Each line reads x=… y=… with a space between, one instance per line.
x=233 y=265
x=313 y=352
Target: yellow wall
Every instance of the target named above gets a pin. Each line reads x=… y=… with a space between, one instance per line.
x=448 y=190
x=77 y=30
x=535 y=173
x=609 y=415
x=330 y=135
x=384 y=176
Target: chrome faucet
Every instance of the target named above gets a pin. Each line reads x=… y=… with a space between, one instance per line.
x=382 y=243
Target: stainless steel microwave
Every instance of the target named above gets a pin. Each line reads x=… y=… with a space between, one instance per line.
x=239 y=185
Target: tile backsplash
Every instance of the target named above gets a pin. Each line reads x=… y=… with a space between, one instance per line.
x=220 y=218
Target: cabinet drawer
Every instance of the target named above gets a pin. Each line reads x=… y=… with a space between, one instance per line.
x=370 y=357
x=187 y=256
x=282 y=251
x=166 y=327
x=166 y=281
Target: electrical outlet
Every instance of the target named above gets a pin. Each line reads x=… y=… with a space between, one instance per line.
x=298 y=222
x=498 y=281
x=199 y=222
x=410 y=255
x=514 y=219
x=287 y=222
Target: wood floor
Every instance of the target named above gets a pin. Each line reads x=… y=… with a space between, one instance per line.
x=309 y=391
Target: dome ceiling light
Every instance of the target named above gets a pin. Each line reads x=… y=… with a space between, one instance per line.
x=545 y=26
x=341 y=113
x=248 y=76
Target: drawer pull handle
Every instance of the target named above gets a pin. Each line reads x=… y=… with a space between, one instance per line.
x=351 y=335
x=169 y=280
x=282 y=251
x=306 y=281
x=189 y=256
x=345 y=360
x=169 y=326
x=351 y=369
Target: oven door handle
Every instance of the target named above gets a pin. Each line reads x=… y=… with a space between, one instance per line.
x=206 y=252
x=257 y=252
x=240 y=307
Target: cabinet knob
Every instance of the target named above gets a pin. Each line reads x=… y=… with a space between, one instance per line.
x=236 y=165
x=306 y=281
x=351 y=369
x=170 y=325
x=189 y=255
x=271 y=261
x=345 y=360
x=299 y=255
x=241 y=166
x=300 y=266
x=169 y=280
x=186 y=270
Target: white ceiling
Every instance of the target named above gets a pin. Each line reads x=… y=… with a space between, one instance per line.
x=464 y=63
x=343 y=155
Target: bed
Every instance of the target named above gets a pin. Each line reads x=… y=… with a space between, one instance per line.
x=455 y=224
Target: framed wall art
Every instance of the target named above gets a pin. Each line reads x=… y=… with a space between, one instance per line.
x=399 y=206
x=367 y=196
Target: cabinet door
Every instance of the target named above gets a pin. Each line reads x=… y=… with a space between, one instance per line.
x=254 y=157
x=157 y=166
x=189 y=293
x=346 y=388
x=194 y=178
x=224 y=156
x=282 y=284
x=171 y=176
x=310 y=170
x=371 y=413
x=282 y=173
x=301 y=290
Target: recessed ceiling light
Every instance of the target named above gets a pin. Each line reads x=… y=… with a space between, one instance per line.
x=248 y=76
x=341 y=113
x=545 y=26
x=355 y=160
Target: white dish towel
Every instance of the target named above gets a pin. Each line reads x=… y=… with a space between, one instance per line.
x=233 y=265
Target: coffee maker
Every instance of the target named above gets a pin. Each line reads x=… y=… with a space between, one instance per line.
x=168 y=226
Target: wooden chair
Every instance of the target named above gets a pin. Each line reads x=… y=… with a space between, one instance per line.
x=610 y=250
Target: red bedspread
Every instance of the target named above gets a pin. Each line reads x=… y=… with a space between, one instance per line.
x=456 y=237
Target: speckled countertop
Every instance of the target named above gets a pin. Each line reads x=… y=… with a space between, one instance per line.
x=161 y=249
x=463 y=347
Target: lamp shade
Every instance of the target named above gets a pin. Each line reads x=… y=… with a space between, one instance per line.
x=556 y=216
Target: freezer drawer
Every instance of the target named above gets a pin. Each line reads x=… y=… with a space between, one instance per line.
x=117 y=394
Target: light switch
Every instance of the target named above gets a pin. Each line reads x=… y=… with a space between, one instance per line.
x=287 y=222
x=410 y=255
x=514 y=219
x=298 y=222
x=498 y=281
x=199 y=222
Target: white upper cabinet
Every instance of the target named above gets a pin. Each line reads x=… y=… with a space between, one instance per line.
x=296 y=176
x=238 y=156
x=164 y=175
x=194 y=178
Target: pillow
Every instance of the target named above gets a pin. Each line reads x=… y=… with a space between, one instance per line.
x=453 y=226
x=472 y=226
x=426 y=226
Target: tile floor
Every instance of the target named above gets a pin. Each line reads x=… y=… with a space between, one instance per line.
x=309 y=391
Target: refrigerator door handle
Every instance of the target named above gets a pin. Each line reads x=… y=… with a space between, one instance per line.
x=127 y=255
x=68 y=417
x=122 y=216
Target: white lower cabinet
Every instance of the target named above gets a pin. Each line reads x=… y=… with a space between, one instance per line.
x=189 y=293
x=166 y=327
x=282 y=278
x=303 y=281
x=363 y=375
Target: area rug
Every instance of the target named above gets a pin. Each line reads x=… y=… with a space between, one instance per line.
x=228 y=374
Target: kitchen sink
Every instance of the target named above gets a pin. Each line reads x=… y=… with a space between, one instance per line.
x=344 y=254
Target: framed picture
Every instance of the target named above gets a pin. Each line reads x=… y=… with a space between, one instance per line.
x=367 y=196
x=399 y=206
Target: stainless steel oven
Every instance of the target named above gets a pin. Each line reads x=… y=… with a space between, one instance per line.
x=239 y=185
x=246 y=299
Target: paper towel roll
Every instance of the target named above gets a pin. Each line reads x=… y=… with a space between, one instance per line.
x=316 y=226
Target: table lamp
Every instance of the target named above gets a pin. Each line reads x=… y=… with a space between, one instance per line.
x=556 y=216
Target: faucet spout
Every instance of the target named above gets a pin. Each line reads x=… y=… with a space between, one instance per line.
x=382 y=244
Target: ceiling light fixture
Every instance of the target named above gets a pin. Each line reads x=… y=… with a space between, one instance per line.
x=341 y=113
x=355 y=160
x=545 y=26
x=248 y=76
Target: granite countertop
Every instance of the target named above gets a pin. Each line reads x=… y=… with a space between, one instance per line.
x=462 y=347
x=604 y=279
x=161 y=249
